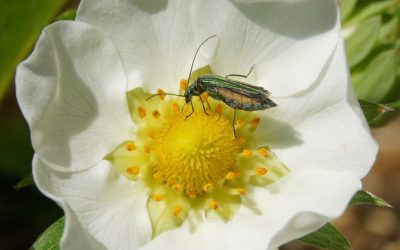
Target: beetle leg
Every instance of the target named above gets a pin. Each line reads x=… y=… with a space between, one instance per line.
x=208 y=104
x=204 y=108
x=244 y=76
x=191 y=104
x=233 y=123
x=183 y=106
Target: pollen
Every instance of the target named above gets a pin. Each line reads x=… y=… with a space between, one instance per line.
x=204 y=96
x=247 y=153
x=130 y=147
x=261 y=171
x=194 y=154
x=241 y=191
x=156 y=113
x=184 y=84
x=240 y=123
x=177 y=210
x=141 y=112
x=232 y=175
x=263 y=152
x=254 y=123
x=158 y=197
x=213 y=204
x=157 y=176
x=218 y=109
x=175 y=107
x=208 y=187
x=133 y=170
x=161 y=94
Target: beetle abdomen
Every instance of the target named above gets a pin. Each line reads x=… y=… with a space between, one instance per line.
x=243 y=102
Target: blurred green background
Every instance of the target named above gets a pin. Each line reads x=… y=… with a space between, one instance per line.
x=371 y=30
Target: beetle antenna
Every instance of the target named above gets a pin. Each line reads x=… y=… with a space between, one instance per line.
x=191 y=67
x=148 y=98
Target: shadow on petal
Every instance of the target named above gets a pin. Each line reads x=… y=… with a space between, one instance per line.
x=279 y=134
x=151 y=7
x=302 y=14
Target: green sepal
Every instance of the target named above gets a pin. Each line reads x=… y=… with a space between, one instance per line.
x=376 y=114
x=327 y=237
x=50 y=239
x=372 y=9
x=346 y=8
x=67 y=15
x=362 y=40
x=20 y=24
x=378 y=78
x=26 y=181
x=364 y=197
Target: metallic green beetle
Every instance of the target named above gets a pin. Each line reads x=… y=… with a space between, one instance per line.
x=236 y=94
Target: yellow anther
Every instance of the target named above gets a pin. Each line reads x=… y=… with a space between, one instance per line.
x=213 y=204
x=158 y=197
x=230 y=175
x=161 y=94
x=157 y=176
x=147 y=149
x=241 y=191
x=177 y=187
x=208 y=187
x=254 y=123
x=177 y=210
x=184 y=84
x=156 y=113
x=175 y=107
x=241 y=140
x=133 y=170
x=218 y=109
x=240 y=123
x=130 y=146
x=141 y=112
x=247 y=153
x=261 y=171
x=192 y=194
x=263 y=151
x=204 y=96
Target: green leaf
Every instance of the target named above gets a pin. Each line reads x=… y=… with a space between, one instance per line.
x=364 y=197
x=362 y=40
x=377 y=78
x=26 y=181
x=389 y=31
x=376 y=114
x=20 y=23
x=67 y=15
x=327 y=237
x=346 y=7
x=372 y=9
x=50 y=239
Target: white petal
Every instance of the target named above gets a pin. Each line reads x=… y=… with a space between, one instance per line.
x=155 y=38
x=288 y=41
x=72 y=91
x=322 y=127
x=298 y=204
x=100 y=202
x=74 y=235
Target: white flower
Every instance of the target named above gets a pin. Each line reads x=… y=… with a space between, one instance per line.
x=75 y=92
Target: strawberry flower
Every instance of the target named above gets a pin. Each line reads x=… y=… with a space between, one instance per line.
x=132 y=172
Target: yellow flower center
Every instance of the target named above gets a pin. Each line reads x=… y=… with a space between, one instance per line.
x=195 y=152
x=193 y=164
